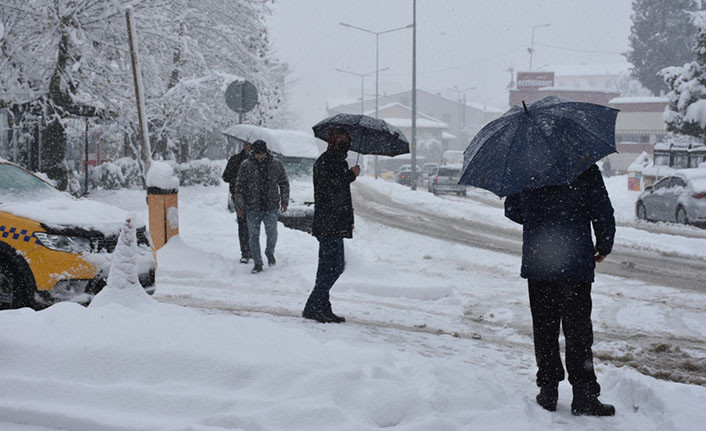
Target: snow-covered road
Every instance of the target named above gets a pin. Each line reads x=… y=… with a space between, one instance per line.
x=438 y=336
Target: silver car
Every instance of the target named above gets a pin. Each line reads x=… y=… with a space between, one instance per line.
x=680 y=197
x=445 y=180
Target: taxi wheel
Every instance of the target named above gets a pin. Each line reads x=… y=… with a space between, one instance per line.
x=11 y=291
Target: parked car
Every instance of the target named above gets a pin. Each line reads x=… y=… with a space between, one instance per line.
x=404 y=174
x=54 y=247
x=680 y=197
x=445 y=180
x=428 y=171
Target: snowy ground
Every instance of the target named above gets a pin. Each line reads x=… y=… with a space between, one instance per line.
x=437 y=338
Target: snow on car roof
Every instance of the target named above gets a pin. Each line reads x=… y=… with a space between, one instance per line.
x=287 y=143
x=692 y=173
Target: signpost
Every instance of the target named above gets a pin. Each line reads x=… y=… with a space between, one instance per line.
x=241 y=97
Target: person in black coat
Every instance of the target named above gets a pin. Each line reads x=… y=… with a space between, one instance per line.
x=333 y=221
x=230 y=175
x=558 y=260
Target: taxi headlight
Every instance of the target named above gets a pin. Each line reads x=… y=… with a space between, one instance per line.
x=69 y=244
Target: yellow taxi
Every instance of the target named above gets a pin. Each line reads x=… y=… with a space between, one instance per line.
x=54 y=247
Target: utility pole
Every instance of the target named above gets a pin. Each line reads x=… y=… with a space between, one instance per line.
x=531 y=50
x=139 y=92
x=414 y=95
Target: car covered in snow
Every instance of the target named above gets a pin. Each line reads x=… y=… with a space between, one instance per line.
x=680 y=197
x=54 y=247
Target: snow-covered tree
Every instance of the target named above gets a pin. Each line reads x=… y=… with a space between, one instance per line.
x=64 y=59
x=686 y=112
x=661 y=35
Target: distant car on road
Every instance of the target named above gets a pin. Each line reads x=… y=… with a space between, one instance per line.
x=404 y=174
x=445 y=180
x=679 y=198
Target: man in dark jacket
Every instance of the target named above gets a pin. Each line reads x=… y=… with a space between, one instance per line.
x=261 y=190
x=558 y=261
x=333 y=221
x=230 y=175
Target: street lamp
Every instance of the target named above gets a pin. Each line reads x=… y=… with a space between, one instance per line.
x=531 y=49
x=462 y=109
x=362 y=76
x=377 y=64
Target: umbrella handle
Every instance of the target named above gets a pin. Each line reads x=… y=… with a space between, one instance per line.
x=356 y=159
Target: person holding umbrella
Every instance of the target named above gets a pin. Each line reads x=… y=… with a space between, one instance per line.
x=543 y=159
x=333 y=205
x=333 y=221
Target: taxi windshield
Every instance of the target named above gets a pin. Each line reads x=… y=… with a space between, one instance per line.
x=16 y=185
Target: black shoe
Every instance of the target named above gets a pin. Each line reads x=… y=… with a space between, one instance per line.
x=256 y=269
x=590 y=406
x=320 y=316
x=244 y=259
x=547 y=397
x=271 y=261
x=335 y=318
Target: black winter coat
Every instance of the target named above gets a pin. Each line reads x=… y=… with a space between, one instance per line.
x=230 y=174
x=556 y=238
x=333 y=205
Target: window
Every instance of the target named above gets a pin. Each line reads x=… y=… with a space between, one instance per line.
x=663 y=183
x=678 y=182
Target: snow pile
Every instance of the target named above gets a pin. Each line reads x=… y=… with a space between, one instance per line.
x=123 y=286
x=161 y=175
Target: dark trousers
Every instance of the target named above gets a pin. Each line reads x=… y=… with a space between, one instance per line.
x=244 y=237
x=566 y=304
x=331 y=264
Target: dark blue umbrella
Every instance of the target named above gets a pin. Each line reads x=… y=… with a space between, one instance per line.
x=550 y=142
x=368 y=135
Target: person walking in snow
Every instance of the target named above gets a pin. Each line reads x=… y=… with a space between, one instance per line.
x=230 y=175
x=261 y=190
x=333 y=221
x=558 y=261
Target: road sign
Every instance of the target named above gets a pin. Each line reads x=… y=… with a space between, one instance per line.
x=241 y=96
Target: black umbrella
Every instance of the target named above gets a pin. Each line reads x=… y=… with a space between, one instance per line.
x=368 y=135
x=550 y=142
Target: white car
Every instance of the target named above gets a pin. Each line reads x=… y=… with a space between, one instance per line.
x=680 y=197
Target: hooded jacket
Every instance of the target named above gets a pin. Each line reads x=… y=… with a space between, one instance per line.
x=249 y=193
x=556 y=235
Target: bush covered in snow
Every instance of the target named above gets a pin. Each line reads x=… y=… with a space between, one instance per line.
x=125 y=173
x=200 y=172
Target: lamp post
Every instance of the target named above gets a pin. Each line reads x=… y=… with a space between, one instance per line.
x=377 y=64
x=362 y=83
x=414 y=96
x=531 y=50
x=461 y=109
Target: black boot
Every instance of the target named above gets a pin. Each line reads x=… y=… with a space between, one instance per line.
x=271 y=261
x=256 y=269
x=547 y=397
x=589 y=405
x=319 y=315
x=244 y=259
x=335 y=318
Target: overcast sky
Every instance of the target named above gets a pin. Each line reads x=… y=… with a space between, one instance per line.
x=460 y=43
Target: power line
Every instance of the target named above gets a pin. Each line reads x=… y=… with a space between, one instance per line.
x=566 y=48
